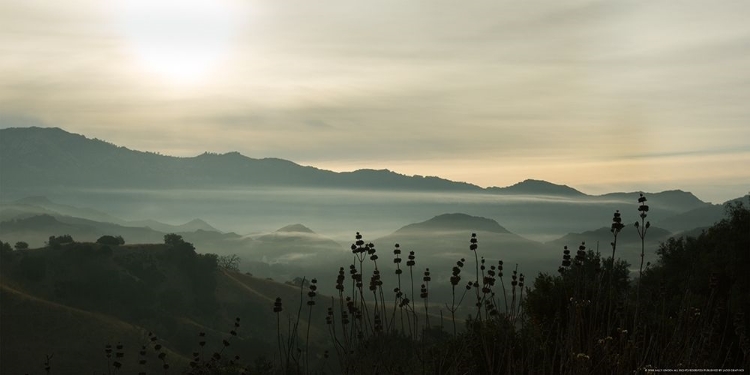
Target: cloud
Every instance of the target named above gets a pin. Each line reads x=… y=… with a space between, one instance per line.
x=482 y=92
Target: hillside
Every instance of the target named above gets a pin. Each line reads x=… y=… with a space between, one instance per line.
x=33 y=327
x=34 y=230
x=52 y=157
x=71 y=301
x=701 y=217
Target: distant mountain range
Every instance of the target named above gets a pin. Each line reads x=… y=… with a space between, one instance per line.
x=55 y=158
x=49 y=162
x=51 y=158
x=37 y=205
x=296 y=250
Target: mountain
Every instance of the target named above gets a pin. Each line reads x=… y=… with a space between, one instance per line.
x=36 y=229
x=190 y=226
x=537 y=187
x=283 y=254
x=295 y=243
x=295 y=228
x=456 y=222
x=444 y=239
x=676 y=201
x=38 y=205
x=255 y=195
x=441 y=241
x=701 y=217
x=54 y=158
x=50 y=159
x=447 y=236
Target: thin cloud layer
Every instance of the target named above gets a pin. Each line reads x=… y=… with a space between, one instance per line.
x=586 y=93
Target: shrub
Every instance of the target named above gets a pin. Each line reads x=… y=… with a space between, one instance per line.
x=111 y=240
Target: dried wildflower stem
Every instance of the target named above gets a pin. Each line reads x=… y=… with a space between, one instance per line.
x=399 y=296
x=513 y=291
x=473 y=247
x=453 y=307
x=642 y=228
x=426 y=295
x=296 y=324
x=505 y=293
x=615 y=228
x=307 y=340
x=414 y=314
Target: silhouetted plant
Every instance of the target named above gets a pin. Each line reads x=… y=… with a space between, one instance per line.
x=642 y=227
x=48 y=363
x=310 y=303
x=615 y=228
x=455 y=279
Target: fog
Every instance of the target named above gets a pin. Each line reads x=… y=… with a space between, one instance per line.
x=338 y=214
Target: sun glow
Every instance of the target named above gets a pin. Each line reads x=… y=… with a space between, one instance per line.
x=180 y=41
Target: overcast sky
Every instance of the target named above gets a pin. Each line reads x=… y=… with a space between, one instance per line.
x=600 y=95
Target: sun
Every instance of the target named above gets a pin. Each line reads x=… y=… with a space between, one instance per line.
x=180 y=41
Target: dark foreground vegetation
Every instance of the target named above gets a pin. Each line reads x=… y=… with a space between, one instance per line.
x=595 y=314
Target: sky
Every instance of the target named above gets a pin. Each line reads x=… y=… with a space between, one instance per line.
x=599 y=95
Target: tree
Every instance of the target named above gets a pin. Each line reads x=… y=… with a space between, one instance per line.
x=20 y=245
x=56 y=241
x=111 y=240
x=176 y=243
x=230 y=262
x=5 y=250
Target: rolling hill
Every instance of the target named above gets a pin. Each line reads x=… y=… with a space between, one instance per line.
x=71 y=301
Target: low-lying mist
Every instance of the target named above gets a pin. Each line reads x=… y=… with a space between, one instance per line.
x=339 y=213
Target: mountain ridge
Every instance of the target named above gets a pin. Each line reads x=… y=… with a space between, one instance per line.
x=454 y=222
x=54 y=158
x=62 y=159
x=539 y=187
